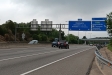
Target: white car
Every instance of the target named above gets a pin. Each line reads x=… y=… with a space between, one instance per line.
x=91 y=44
x=33 y=42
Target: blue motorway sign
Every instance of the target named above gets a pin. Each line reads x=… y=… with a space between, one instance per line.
x=104 y=18
x=79 y=25
x=99 y=26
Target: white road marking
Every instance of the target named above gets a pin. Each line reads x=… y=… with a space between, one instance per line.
x=20 y=48
x=31 y=55
x=52 y=62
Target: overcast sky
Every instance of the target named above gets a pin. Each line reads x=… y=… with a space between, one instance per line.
x=58 y=11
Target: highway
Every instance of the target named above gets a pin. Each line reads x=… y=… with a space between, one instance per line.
x=46 y=60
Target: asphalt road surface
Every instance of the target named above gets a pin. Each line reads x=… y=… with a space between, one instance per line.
x=46 y=60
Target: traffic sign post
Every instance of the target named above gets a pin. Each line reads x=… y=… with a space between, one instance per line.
x=23 y=36
x=99 y=26
x=79 y=25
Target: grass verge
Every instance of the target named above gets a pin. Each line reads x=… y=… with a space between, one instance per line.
x=109 y=47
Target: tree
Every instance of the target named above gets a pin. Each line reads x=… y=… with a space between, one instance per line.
x=63 y=35
x=10 y=25
x=35 y=37
x=3 y=30
x=72 y=38
x=44 y=37
x=109 y=24
x=84 y=37
x=53 y=34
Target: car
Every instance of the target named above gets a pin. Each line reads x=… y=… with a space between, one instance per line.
x=33 y=42
x=55 y=44
x=63 y=44
x=91 y=44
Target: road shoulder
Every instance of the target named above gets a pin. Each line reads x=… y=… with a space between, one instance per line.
x=96 y=69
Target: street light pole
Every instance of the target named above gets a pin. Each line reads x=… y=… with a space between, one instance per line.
x=90 y=34
x=85 y=37
x=68 y=36
x=78 y=36
x=85 y=33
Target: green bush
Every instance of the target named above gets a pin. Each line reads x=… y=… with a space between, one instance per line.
x=35 y=37
x=109 y=47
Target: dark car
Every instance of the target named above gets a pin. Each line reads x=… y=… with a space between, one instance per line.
x=55 y=44
x=63 y=44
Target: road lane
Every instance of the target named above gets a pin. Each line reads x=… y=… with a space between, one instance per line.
x=77 y=64
x=15 y=53
x=21 y=65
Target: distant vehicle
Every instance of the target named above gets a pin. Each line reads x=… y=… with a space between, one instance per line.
x=55 y=44
x=91 y=44
x=33 y=42
x=63 y=44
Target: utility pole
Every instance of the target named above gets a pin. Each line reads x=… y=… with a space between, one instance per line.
x=78 y=37
x=68 y=32
x=85 y=36
x=15 y=32
x=60 y=33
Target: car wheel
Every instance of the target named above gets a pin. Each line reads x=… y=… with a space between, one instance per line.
x=59 y=47
x=67 y=47
x=54 y=45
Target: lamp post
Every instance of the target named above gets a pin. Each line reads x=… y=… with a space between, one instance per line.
x=78 y=36
x=90 y=35
x=85 y=33
x=85 y=37
x=94 y=36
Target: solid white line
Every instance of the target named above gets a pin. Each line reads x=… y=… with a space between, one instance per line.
x=52 y=62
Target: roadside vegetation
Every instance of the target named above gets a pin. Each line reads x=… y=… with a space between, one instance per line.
x=109 y=47
x=109 y=29
x=7 y=33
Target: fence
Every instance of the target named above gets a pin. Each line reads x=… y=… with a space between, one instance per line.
x=101 y=60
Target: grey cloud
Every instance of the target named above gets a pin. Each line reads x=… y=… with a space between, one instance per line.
x=56 y=10
x=82 y=5
x=64 y=7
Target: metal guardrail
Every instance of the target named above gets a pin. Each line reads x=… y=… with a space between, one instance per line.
x=101 y=60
